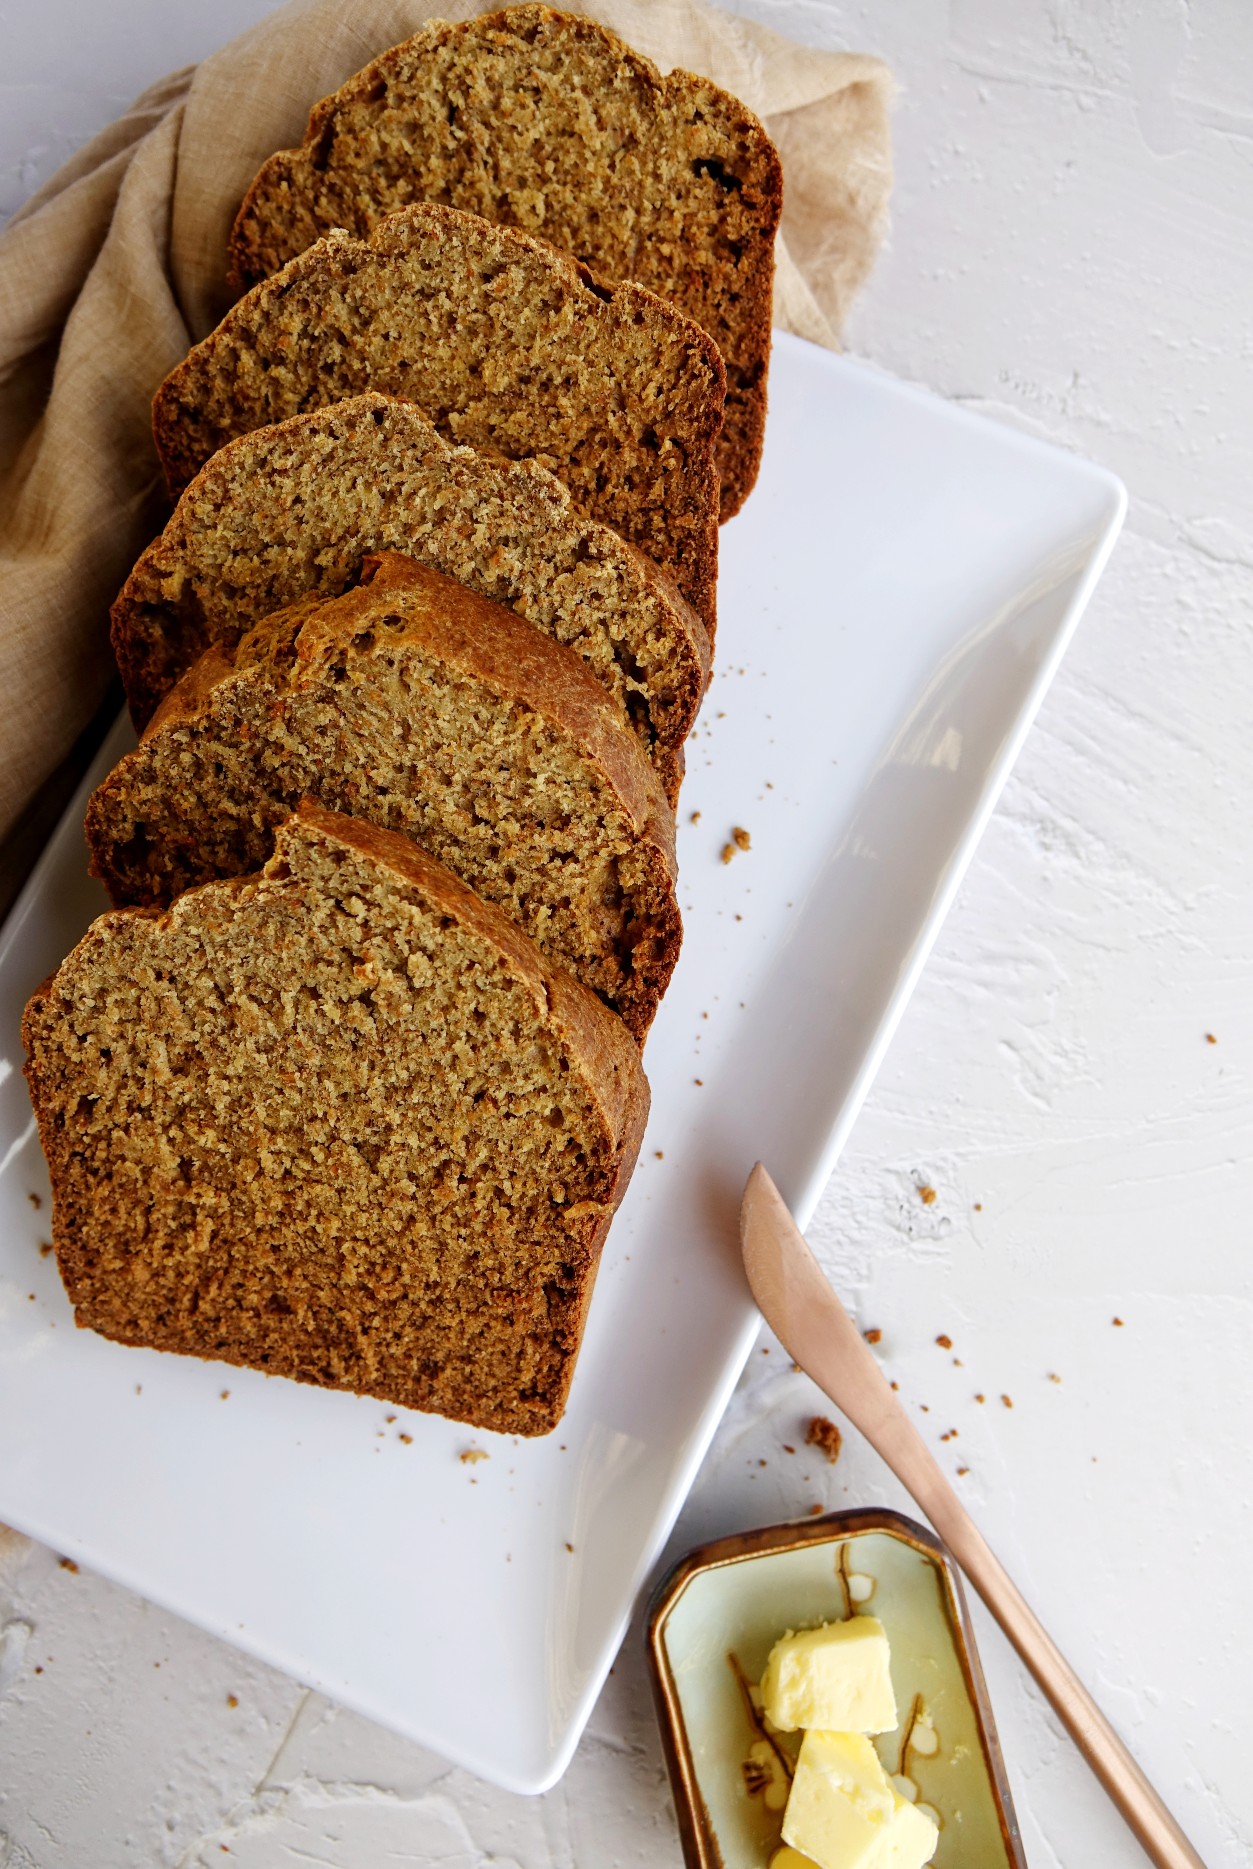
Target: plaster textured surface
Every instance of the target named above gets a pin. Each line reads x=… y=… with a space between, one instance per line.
x=1073 y=1078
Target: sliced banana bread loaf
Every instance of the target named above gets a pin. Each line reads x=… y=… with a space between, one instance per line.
x=507 y=344
x=419 y=705
x=341 y=1122
x=294 y=508
x=547 y=122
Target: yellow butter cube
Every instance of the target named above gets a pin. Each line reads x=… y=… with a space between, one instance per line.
x=841 y=1801
x=836 y=1678
x=844 y=1812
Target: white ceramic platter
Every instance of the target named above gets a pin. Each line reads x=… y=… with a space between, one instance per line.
x=894 y=601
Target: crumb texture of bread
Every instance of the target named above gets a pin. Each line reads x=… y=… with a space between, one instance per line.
x=507 y=344
x=414 y=703
x=338 y=1122
x=293 y=509
x=548 y=122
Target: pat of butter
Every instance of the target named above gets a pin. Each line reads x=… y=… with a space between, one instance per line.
x=835 y=1678
x=844 y=1812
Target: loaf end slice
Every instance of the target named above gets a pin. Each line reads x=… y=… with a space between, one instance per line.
x=338 y=1122
x=546 y=121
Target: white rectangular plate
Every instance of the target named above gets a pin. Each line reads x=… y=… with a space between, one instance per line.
x=894 y=601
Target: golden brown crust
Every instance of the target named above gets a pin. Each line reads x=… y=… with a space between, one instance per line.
x=190 y=695
x=689 y=206
x=157 y=1249
x=294 y=508
x=419 y=704
x=507 y=344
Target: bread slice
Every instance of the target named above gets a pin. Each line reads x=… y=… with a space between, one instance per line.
x=340 y=1122
x=415 y=703
x=294 y=508
x=547 y=122
x=507 y=344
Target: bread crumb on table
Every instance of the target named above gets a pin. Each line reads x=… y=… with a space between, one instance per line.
x=945 y=1341
x=873 y=1336
x=823 y=1434
x=471 y=1455
x=926 y=1195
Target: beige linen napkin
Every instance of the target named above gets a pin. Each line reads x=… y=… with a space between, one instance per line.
x=116 y=267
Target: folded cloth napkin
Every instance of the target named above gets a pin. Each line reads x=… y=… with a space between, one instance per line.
x=116 y=268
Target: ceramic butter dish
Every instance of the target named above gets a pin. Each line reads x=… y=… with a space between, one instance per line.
x=712 y=1626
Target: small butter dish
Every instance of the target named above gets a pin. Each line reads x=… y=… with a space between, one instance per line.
x=711 y=1626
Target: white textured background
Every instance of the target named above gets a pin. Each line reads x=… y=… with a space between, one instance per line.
x=1072 y=251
